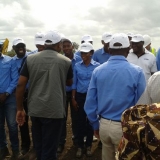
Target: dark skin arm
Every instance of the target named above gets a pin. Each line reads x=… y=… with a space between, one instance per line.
x=74 y=102
x=69 y=82
x=20 y=117
x=2 y=98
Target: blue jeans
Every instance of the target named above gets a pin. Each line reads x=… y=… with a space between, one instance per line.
x=8 y=111
x=46 y=133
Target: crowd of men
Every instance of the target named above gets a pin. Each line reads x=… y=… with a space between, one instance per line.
x=97 y=85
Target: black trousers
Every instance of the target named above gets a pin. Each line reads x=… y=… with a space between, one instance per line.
x=46 y=135
x=84 y=127
x=24 y=130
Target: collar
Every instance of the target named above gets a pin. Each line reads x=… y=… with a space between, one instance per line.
x=2 y=55
x=15 y=57
x=91 y=62
x=103 y=52
x=117 y=57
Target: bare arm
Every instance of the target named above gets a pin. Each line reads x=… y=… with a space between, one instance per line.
x=20 y=117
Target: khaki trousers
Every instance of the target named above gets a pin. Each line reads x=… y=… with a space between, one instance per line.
x=110 y=136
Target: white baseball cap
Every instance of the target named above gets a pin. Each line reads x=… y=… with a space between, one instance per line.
x=147 y=40
x=121 y=38
x=66 y=40
x=39 y=38
x=17 y=41
x=86 y=47
x=86 y=38
x=53 y=36
x=137 y=38
x=106 y=37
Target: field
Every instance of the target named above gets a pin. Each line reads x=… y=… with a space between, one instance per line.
x=70 y=150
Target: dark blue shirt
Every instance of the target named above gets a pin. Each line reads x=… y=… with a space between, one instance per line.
x=8 y=74
x=101 y=56
x=115 y=86
x=82 y=75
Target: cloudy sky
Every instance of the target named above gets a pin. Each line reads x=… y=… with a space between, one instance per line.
x=74 y=18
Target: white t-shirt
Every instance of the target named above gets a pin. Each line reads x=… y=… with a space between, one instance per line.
x=147 y=62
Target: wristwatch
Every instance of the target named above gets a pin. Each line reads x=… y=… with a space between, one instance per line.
x=7 y=94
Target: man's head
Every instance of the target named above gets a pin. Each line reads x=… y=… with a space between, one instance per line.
x=39 y=41
x=147 y=42
x=137 y=43
x=106 y=37
x=67 y=47
x=87 y=38
x=86 y=50
x=53 y=41
x=119 y=44
x=19 y=47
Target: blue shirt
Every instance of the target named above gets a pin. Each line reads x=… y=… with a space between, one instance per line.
x=18 y=62
x=115 y=86
x=101 y=56
x=78 y=53
x=8 y=74
x=82 y=76
x=74 y=61
x=158 y=59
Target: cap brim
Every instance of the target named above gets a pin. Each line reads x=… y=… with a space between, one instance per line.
x=107 y=40
x=39 y=42
x=85 y=51
x=134 y=40
x=18 y=43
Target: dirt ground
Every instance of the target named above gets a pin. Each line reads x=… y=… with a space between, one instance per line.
x=69 y=151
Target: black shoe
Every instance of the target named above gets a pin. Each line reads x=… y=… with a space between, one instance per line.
x=16 y=155
x=4 y=153
x=100 y=144
x=60 y=149
x=32 y=154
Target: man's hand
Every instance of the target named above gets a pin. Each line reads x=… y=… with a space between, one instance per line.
x=96 y=133
x=2 y=98
x=75 y=105
x=20 y=117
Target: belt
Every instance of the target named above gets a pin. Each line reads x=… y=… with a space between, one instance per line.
x=110 y=119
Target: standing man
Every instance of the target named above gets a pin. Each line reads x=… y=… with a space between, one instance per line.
x=19 y=47
x=67 y=48
x=8 y=83
x=102 y=55
x=48 y=73
x=141 y=57
x=115 y=86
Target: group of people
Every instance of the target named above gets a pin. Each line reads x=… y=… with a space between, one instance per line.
x=98 y=86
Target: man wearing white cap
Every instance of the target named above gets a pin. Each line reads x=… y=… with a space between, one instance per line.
x=85 y=38
x=48 y=73
x=39 y=41
x=141 y=57
x=8 y=83
x=102 y=55
x=19 y=47
x=115 y=86
x=147 y=44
